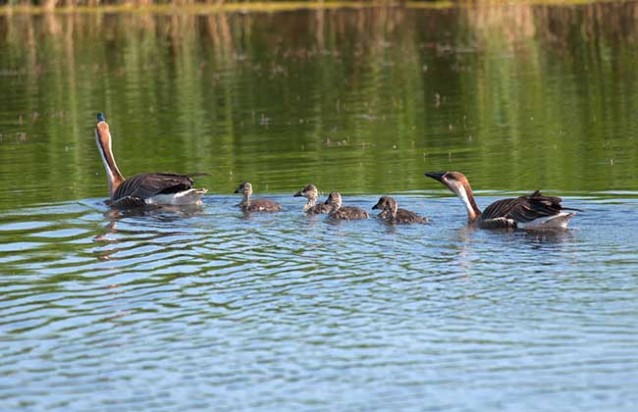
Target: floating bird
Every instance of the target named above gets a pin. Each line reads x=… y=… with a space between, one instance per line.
x=146 y=188
x=343 y=212
x=532 y=212
x=311 y=193
x=259 y=205
x=391 y=213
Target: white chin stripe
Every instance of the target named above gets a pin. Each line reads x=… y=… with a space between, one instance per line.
x=462 y=194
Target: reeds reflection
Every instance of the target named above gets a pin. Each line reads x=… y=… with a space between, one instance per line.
x=356 y=99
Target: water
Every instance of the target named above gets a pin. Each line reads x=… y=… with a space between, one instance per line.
x=205 y=308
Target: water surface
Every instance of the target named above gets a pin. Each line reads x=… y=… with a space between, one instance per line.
x=202 y=307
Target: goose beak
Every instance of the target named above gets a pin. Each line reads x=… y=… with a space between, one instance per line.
x=236 y=190
x=298 y=194
x=375 y=206
x=436 y=175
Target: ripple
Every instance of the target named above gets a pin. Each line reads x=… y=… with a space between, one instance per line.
x=296 y=308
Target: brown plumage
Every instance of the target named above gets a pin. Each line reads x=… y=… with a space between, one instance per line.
x=145 y=188
x=311 y=207
x=149 y=184
x=258 y=205
x=344 y=212
x=391 y=213
x=534 y=212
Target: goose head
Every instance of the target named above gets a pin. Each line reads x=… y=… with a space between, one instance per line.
x=455 y=181
x=334 y=200
x=245 y=189
x=386 y=204
x=459 y=185
x=310 y=192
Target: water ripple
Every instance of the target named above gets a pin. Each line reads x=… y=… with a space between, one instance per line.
x=203 y=304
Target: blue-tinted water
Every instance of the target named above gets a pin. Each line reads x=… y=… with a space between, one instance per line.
x=206 y=308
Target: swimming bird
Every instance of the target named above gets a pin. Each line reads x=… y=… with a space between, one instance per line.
x=391 y=213
x=344 y=212
x=259 y=205
x=311 y=193
x=146 y=188
x=531 y=212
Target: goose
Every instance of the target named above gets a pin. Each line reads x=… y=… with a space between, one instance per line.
x=146 y=188
x=344 y=212
x=259 y=205
x=311 y=193
x=391 y=213
x=532 y=212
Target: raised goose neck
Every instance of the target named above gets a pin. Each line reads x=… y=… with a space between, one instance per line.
x=103 y=140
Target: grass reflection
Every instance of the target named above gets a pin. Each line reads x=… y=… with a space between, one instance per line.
x=360 y=99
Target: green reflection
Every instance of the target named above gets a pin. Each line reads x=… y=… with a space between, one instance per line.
x=356 y=100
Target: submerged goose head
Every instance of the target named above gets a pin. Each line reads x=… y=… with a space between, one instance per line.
x=459 y=185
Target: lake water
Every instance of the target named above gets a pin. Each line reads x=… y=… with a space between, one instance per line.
x=205 y=308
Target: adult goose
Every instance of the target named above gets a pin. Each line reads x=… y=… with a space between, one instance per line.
x=258 y=205
x=146 y=188
x=392 y=213
x=311 y=193
x=531 y=212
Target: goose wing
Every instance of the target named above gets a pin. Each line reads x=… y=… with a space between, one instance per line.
x=508 y=213
x=147 y=185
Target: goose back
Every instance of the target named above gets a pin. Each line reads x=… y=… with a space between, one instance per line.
x=147 y=185
x=521 y=211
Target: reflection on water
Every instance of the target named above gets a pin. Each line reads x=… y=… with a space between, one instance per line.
x=278 y=310
x=357 y=100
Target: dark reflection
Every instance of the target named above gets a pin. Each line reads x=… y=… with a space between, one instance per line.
x=467 y=233
x=155 y=213
x=479 y=249
x=550 y=236
x=165 y=213
x=326 y=96
x=388 y=228
x=113 y=216
x=248 y=215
